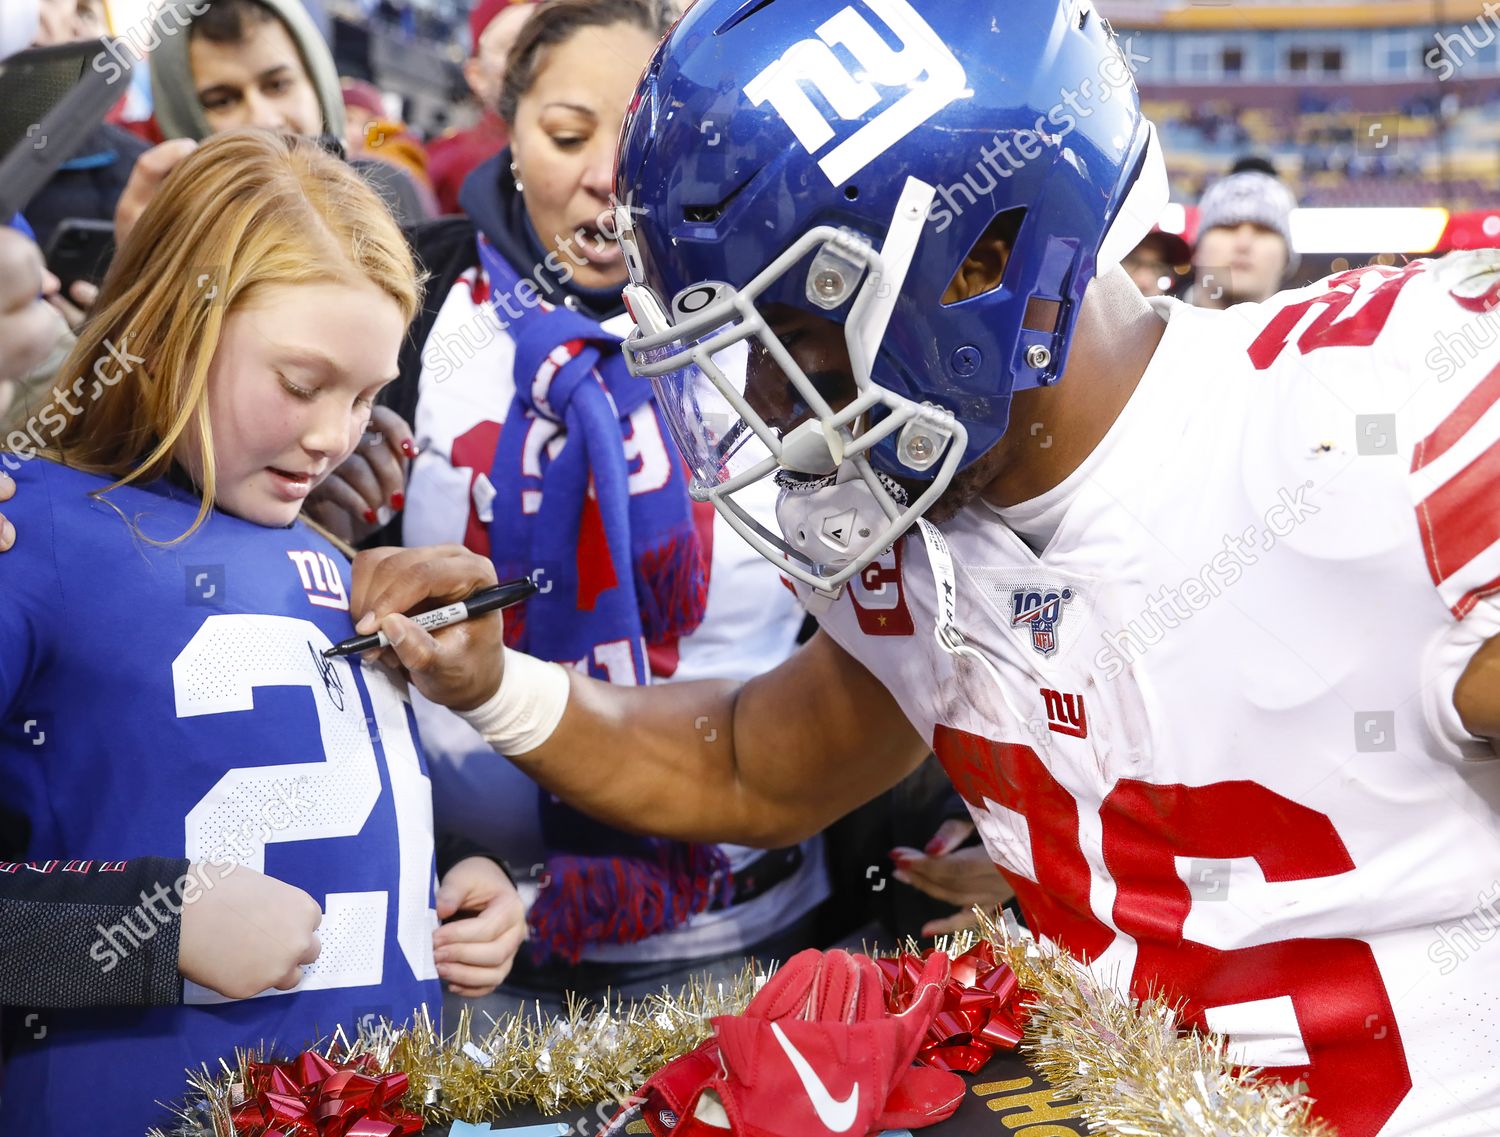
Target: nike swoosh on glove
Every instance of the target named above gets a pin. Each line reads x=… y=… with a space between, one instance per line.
x=816 y=1053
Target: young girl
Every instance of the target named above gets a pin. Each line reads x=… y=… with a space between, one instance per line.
x=163 y=688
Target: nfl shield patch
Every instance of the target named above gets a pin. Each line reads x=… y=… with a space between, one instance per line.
x=1040 y=610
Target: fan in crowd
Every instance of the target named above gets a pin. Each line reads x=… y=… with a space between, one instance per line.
x=1244 y=253
x=264 y=63
x=493 y=27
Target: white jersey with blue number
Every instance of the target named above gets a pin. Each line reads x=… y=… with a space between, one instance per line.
x=1215 y=751
x=171 y=700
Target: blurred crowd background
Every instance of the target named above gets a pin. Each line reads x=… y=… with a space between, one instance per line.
x=1385 y=105
x=1357 y=108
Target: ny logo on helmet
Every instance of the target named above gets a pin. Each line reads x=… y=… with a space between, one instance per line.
x=925 y=71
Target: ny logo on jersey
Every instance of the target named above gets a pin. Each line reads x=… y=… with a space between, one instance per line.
x=1041 y=610
x=320 y=579
x=924 y=71
x=1065 y=714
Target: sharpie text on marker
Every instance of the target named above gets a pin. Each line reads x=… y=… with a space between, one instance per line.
x=489 y=600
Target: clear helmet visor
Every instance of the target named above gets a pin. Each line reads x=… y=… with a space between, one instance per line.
x=714 y=437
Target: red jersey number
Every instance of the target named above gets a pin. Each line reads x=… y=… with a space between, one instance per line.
x=1334 y=326
x=1356 y=1067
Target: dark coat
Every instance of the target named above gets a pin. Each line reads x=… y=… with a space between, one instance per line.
x=87 y=185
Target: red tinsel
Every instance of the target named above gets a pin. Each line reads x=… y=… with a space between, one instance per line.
x=311 y=1097
x=981 y=1010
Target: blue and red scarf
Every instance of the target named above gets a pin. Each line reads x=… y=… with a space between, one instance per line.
x=618 y=570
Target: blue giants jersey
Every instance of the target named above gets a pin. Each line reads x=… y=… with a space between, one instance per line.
x=172 y=700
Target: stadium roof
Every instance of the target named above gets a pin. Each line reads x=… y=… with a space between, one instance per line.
x=1216 y=15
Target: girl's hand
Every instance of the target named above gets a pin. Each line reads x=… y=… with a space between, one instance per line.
x=7 y=530
x=370 y=487
x=245 y=932
x=474 y=954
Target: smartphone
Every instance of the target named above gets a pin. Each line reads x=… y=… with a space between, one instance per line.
x=80 y=249
x=51 y=100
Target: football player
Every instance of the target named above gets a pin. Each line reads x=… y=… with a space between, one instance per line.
x=1195 y=607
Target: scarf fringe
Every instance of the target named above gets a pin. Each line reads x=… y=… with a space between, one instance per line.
x=624 y=900
x=671 y=583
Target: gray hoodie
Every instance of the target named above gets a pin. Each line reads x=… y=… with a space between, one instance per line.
x=175 y=95
x=180 y=115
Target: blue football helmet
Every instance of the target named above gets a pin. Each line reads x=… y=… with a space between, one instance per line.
x=842 y=158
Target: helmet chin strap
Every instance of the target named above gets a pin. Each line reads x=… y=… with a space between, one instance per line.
x=832 y=524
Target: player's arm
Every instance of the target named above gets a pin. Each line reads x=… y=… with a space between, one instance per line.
x=764 y=763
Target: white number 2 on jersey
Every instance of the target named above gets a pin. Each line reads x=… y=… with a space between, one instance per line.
x=217 y=673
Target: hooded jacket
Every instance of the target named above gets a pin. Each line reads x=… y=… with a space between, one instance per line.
x=180 y=114
x=175 y=95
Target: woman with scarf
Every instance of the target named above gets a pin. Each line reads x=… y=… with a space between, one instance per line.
x=538 y=449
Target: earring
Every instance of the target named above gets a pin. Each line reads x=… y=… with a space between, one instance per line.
x=515 y=175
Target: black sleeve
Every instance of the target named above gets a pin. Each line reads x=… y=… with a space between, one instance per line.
x=450 y=848
x=90 y=933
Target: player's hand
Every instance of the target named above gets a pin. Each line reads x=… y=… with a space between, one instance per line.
x=146 y=176
x=460 y=666
x=474 y=953
x=247 y=933
x=29 y=326
x=7 y=530
x=370 y=487
x=963 y=877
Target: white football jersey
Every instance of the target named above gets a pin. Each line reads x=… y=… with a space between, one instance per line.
x=1214 y=748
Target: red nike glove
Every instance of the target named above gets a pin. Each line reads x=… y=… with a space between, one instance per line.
x=816 y=1053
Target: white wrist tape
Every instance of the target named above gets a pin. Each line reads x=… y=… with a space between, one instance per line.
x=524 y=712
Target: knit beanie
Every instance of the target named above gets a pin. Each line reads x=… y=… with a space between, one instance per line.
x=1250 y=196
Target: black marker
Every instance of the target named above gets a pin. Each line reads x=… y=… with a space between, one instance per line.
x=489 y=600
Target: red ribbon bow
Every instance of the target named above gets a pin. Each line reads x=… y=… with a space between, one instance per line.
x=311 y=1097
x=981 y=1010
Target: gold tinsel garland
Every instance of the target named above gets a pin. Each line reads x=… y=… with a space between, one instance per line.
x=1134 y=1072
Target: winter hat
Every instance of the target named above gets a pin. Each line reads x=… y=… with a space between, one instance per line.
x=1253 y=196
